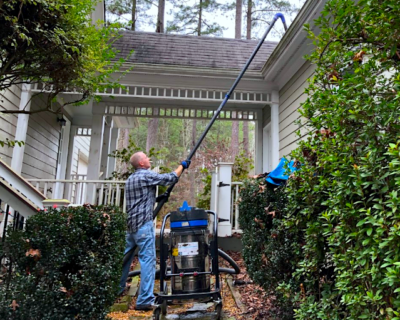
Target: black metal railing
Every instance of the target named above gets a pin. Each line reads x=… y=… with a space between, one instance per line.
x=11 y=219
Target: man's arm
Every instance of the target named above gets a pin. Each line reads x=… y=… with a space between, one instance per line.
x=179 y=170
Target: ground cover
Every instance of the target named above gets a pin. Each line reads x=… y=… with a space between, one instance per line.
x=241 y=300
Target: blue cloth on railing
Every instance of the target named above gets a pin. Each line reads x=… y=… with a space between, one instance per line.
x=281 y=173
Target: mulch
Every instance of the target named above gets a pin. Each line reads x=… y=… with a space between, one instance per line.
x=259 y=305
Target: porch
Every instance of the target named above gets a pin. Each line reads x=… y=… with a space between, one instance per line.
x=224 y=194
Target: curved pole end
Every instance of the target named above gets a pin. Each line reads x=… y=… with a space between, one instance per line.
x=280 y=15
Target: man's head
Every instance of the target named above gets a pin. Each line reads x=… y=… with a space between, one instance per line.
x=140 y=160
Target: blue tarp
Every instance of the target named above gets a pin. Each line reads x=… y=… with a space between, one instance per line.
x=281 y=173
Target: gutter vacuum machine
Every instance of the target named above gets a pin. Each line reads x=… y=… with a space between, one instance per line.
x=192 y=249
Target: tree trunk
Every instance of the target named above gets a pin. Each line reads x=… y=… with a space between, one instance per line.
x=248 y=20
x=152 y=130
x=133 y=15
x=246 y=123
x=235 y=124
x=238 y=19
x=192 y=172
x=160 y=16
x=246 y=138
x=200 y=18
x=234 y=138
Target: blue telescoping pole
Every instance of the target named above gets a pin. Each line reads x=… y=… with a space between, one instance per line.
x=164 y=198
x=277 y=16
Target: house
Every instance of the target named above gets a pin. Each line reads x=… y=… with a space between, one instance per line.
x=172 y=73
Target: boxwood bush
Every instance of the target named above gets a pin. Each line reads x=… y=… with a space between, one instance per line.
x=66 y=264
x=269 y=251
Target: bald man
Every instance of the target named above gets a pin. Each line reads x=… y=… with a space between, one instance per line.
x=140 y=192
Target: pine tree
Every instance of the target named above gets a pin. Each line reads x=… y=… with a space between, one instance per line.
x=195 y=20
x=259 y=13
x=136 y=10
x=235 y=124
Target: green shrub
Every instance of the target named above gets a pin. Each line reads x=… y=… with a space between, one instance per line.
x=345 y=199
x=66 y=264
x=268 y=250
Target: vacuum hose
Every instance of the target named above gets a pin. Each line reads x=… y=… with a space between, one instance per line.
x=221 y=253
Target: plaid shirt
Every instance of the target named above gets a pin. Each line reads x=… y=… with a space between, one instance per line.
x=140 y=191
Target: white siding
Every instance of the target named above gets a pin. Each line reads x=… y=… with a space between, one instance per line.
x=290 y=98
x=9 y=100
x=42 y=140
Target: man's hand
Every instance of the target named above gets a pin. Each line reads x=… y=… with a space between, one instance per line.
x=185 y=164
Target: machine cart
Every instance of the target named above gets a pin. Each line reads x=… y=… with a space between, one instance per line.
x=193 y=258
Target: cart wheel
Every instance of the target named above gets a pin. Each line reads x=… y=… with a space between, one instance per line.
x=218 y=310
x=164 y=308
x=165 y=288
x=156 y=314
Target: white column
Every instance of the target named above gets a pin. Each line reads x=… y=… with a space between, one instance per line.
x=275 y=129
x=98 y=12
x=96 y=144
x=22 y=128
x=71 y=146
x=214 y=193
x=62 y=159
x=258 y=158
x=105 y=149
x=224 y=198
x=112 y=148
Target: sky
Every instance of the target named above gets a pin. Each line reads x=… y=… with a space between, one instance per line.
x=227 y=21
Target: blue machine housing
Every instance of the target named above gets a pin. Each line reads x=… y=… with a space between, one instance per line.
x=189 y=217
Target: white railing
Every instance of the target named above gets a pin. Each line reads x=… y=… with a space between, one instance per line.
x=106 y=192
x=235 y=206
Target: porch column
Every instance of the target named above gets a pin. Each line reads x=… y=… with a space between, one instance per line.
x=98 y=12
x=258 y=158
x=275 y=129
x=224 y=198
x=22 y=128
x=71 y=146
x=62 y=159
x=105 y=148
x=96 y=144
x=111 y=149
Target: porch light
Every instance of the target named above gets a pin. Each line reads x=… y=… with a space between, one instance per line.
x=61 y=120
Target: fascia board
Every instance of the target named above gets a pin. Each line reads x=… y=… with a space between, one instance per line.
x=288 y=56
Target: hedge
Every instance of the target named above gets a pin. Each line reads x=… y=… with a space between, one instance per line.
x=342 y=211
x=66 y=264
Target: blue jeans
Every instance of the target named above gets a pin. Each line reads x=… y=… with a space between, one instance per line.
x=144 y=238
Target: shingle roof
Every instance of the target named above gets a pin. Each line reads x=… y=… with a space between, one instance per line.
x=191 y=51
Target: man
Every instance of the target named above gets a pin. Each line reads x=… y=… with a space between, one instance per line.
x=140 y=192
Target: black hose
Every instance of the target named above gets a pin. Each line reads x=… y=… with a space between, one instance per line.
x=233 y=264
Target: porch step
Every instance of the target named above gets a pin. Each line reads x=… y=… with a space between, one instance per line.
x=19 y=193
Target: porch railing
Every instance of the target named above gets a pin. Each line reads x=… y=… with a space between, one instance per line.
x=106 y=192
x=112 y=192
x=235 y=206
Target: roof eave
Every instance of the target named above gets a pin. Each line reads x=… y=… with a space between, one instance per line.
x=187 y=70
x=288 y=55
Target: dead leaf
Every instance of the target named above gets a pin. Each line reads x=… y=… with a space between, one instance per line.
x=14 y=305
x=34 y=253
x=272 y=213
x=260 y=223
x=359 y=56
